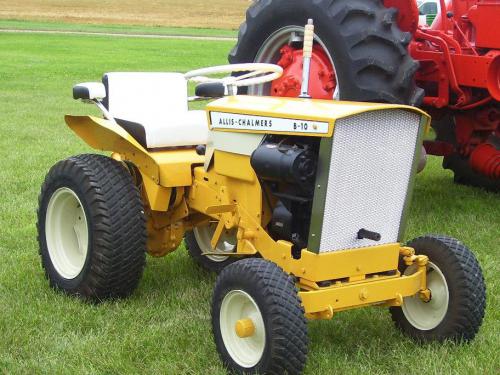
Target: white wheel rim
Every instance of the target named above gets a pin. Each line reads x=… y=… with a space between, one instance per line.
x=247 y=351
x=66 y=233
x=428 y=315
x=226 y=244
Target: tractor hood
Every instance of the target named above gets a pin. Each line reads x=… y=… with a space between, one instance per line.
x=292 y=116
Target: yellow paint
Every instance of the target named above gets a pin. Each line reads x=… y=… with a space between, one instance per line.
x=175 y=214
x=105 y=135
x=333 y=265
x=299 y=109
x=345 y=263
x=158 y=196
x=239 y=202
x=175 y=166
x=351 y=295
x=169 y=168
x=217 y=233
x=234 y=165
x=164 y=240
x=210 y=189
x=229 y=192
x=220 y=209
x=245 y=247
x=165 y=228
x=244 y=328
x=351 y=272
x=116 y=156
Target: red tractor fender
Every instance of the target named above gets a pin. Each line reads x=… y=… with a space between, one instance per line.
x=408 y=14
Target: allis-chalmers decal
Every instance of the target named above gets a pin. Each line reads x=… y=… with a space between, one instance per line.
x=221 y=120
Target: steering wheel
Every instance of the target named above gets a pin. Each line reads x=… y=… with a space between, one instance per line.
x=267 y=72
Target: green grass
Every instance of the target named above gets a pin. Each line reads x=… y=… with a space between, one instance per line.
x=164 y=327
x=121 y=29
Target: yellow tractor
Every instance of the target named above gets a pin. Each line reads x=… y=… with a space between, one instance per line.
x=299 y=204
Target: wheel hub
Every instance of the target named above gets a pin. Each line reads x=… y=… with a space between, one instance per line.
x=284 y=48
x=426 y=314
x=226 y=244
x=244 y=328
x=66 y=232
x=322 y=82
x=485 y=159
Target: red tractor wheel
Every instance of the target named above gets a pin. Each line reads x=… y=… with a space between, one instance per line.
x=474 y=156
x=359 y=52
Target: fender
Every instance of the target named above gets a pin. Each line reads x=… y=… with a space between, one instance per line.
x=160 y=170
x=106 y=135
x=407 y=14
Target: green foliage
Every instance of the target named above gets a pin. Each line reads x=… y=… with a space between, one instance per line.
x=164 y=327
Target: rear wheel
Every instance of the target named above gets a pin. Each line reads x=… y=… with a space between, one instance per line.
x=359 y=52
x=198 y=242
x=446 y=131
x=458 y=294
x=91 y=228
x=465 y=175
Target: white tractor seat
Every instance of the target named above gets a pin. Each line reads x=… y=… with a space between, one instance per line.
x=153 y=108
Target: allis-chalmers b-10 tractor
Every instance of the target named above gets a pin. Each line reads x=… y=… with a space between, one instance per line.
x=374 y=50
x=295 y=201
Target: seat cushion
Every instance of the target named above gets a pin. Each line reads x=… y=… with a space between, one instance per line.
x=158 y=103
x=136 y=130
x=190 y=129
x=142 y=96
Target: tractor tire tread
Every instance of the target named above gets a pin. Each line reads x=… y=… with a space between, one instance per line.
x=463 y=173
x=283 y=308
x=379 y=66
x=118 y=235
x=467 y=290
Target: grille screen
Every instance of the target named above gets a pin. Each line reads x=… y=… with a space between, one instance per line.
x=370 y=167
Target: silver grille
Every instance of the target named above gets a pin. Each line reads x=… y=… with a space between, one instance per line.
x=370 y=167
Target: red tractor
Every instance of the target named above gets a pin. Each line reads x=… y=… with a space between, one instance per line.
x=375 y=50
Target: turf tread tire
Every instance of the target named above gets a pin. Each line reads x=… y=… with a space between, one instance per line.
x=116 y=221
x=368 y=49
x=466 y=287
x=277 y=297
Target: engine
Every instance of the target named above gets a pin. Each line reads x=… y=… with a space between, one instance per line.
x=286 y=167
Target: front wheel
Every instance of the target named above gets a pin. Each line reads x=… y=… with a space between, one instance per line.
x=458 y=293
x=91 y=228
x=257 y=319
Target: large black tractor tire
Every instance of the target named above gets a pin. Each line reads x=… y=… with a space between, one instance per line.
x=368 y=50
x=458 y=293
x=463 y=173
x=91 y=228
x=258 y=291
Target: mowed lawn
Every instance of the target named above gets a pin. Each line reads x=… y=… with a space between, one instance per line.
x=164 y=327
